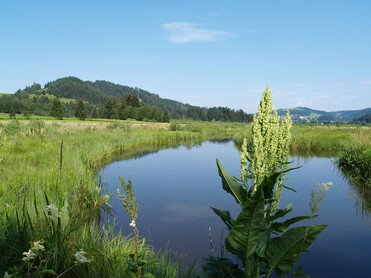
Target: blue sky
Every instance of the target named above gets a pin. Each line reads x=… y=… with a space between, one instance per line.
x=207 y=53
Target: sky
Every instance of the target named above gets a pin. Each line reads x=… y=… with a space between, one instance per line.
x=202 y=52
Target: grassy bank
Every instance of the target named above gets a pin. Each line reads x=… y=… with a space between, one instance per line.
x=328 y=140
x=54 y=200
x=355 y=162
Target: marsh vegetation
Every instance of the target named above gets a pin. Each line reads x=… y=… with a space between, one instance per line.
x=57 y=205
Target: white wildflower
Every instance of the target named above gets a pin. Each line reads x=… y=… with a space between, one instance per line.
x=81 y=257
x=38 y=246
x=132 y=223
x=54 y=212
x=28 y=256
x=318 y=195
x=6 y=275
x=105 y=199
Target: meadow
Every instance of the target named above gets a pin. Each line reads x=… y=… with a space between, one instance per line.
x=49 y=192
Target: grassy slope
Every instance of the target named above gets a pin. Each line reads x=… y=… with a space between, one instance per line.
x=51 y=97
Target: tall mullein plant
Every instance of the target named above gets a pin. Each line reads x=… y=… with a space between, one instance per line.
x=269 y=150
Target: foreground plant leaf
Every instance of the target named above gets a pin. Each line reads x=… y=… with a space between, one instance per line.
x=219 y=267
x=282 y=252
x=225 y=216
x=282 y=227
x=248 y=228
x=231 y=185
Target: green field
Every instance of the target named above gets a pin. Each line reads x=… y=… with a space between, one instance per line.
x=51 y=97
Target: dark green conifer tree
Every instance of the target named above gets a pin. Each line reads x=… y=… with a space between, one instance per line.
x=12 y=112
x=27 y=111
x=56 y=110
x=80 y=110
x=166 y=117
x=110 y=110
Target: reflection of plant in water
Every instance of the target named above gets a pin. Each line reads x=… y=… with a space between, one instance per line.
x=362 y=196
x=262 y=243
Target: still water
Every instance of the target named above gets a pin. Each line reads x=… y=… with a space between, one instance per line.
x=176 y=187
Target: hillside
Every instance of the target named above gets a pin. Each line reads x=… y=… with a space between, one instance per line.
x=306 y=115
x=349 y=115
x=96 y=95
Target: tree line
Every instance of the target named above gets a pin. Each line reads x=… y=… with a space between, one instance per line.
x=102 y=99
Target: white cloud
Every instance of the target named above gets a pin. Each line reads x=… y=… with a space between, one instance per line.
x=184 y=32
x=183 y=213
x=366 y=82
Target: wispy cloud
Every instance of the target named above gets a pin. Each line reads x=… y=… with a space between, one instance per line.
x=185 y=32
x=366 y=82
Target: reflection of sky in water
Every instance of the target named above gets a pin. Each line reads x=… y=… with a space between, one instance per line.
x=175 y=189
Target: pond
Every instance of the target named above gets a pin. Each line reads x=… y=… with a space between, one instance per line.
x=176 y=187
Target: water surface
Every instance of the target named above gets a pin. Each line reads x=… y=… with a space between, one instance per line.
x=176 y=187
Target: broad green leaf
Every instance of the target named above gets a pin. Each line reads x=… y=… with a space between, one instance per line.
x=248 y=228
x=279 y=213
x=260 y=249
x=268 y=184
x=282 y=227
x=219 y=267
x=225 y=216
x=231 y=185
x=282 y=252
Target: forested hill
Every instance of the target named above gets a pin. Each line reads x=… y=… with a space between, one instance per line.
x=97 y=94
x=306 y=115
x=150 y=99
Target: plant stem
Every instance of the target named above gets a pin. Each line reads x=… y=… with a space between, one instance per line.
x=65 y=271
x=139 y=274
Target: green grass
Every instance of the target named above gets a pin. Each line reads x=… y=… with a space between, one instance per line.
x=314 y=116
x=320 y=140
x=31 y=179
x=355 y=162
x=51 y=97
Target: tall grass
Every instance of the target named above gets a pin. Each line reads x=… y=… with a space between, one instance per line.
x=328 y=140
x=31 y=180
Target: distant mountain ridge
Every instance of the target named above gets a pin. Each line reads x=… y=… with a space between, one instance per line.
x=305 y=115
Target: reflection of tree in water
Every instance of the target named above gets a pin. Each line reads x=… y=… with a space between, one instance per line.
x=140 y=151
